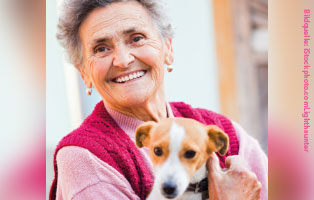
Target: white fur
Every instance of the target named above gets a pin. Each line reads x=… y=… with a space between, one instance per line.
x=199 y=175
x=190 y=196
x=172 y=168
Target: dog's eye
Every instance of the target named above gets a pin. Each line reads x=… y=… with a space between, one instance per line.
x=189 y=154
x=158 y=151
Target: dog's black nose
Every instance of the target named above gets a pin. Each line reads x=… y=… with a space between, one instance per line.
x=169 y=189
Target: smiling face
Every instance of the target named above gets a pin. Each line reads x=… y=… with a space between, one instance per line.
x=123 y=54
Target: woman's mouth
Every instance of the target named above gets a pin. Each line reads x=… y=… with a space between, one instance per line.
x=129 y=77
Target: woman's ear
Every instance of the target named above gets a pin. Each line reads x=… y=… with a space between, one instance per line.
x=169 y=52
x=85 y=76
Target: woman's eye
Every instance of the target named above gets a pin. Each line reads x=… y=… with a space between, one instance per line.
x=137 y=38
x=189 y=154
x=100 y=51
x=158 y=151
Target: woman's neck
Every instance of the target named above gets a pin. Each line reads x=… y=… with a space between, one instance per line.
x=153 y=109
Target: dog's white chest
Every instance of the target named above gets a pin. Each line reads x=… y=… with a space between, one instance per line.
x=191 y=196
x=185 y=196
x=188 y=195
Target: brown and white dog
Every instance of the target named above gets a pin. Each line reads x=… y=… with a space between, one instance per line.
x=179 y=149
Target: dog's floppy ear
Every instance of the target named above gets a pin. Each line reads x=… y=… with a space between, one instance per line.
x=142 y=134
x=219 y=138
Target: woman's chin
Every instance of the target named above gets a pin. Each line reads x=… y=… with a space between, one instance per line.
x=134 y=99
x=134 y=94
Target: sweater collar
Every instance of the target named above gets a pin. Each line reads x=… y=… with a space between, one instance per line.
x=129 y=124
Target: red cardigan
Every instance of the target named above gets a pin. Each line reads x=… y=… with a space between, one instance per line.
x=102 y=136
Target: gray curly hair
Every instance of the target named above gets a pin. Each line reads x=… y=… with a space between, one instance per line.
x=73 y=13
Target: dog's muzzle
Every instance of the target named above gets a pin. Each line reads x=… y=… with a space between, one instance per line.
x=169 y=190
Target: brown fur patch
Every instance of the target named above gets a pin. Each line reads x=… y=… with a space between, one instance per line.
x=196 y=139
x=142 y=134
x=200 y=138
x=160 y=138
x=218 y=138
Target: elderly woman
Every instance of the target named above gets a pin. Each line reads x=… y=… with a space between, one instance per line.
x=120 y=48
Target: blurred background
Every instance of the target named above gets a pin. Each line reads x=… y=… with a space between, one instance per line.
x=23 y=99
x=220 y=50
x=291 y=173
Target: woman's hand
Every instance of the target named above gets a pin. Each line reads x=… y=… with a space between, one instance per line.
x=234 y=183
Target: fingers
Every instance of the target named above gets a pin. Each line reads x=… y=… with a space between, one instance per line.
x=222 y=182
x=258 y=192
x=236 y=182
x=213 y=165
x=236 y=163
x=255 y=190
x=256 y=186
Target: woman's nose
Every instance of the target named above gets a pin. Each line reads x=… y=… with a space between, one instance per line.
x=122 y=56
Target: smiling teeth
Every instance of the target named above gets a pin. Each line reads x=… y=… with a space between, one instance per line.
x=130 y=77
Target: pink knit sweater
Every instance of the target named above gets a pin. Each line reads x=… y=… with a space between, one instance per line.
x=82 y=175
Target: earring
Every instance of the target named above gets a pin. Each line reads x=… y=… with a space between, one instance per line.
x=88 y=91
x=169 y=68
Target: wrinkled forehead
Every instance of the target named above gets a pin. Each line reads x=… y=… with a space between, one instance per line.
x=116 y=18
